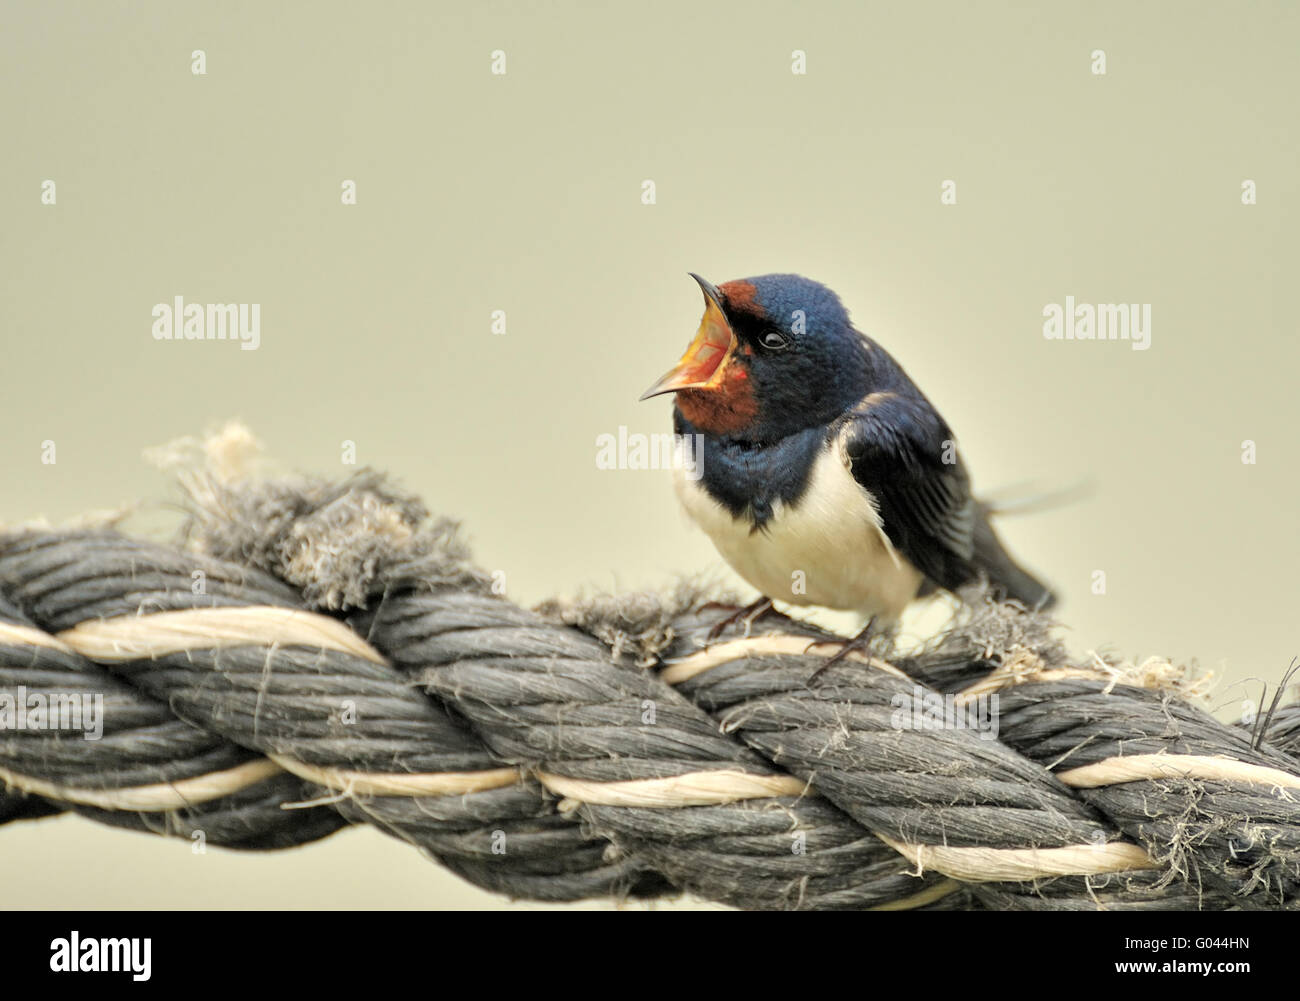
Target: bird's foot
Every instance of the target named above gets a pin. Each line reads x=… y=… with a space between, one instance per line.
x=750 y=614
x=858 y=644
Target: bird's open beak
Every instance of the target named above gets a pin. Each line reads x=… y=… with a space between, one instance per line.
x=706 y=359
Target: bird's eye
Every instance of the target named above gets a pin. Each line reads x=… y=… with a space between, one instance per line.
x=774 y=341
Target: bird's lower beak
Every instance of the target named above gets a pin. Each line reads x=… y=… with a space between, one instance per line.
x=704 y=362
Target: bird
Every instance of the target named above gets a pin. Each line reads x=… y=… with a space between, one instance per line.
x=825 y=477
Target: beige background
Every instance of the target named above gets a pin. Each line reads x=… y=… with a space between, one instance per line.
x=522 y=193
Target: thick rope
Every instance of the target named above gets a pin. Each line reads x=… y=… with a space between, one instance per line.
x=327 y=659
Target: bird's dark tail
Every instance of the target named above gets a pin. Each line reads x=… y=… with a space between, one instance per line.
x=1004 y=574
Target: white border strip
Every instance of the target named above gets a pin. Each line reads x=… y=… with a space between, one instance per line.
x=141 y=637
x=151 y=798
x=27 y=636
x=772 y=645
x=400 y=783
x=1147 y=767
x=693 y=789
x=985 y=865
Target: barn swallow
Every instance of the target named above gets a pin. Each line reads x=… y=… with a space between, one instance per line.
x=827 y=477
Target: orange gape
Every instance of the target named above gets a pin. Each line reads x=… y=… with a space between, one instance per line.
x=729 y=406
x=724 y=409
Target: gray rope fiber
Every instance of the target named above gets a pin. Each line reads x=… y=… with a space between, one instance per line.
x=316 y=654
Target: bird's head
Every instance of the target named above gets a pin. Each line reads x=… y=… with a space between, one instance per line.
x=774 y=355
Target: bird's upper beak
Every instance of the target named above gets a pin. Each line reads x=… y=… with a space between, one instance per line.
x=702 y=366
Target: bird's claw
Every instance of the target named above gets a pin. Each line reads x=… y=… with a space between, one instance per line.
x=857 y=644
x=750 y=614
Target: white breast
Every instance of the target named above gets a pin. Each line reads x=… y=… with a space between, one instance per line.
x=828 y=549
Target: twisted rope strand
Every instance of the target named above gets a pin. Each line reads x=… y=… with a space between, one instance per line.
x=330 y=659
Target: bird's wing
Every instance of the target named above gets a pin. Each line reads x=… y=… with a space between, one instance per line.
x=900 y=450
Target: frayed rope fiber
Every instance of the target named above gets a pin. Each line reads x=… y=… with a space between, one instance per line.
x=316 y=653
